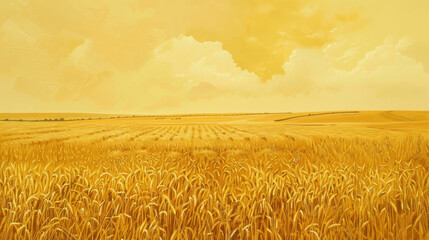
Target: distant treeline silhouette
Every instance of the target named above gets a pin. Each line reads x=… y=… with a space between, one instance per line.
x=64 y=120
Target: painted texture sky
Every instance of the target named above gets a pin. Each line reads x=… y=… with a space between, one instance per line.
x=184 y=56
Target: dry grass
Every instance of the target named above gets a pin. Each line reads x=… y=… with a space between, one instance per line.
x=124 y=180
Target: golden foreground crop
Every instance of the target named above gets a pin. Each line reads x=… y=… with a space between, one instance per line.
x=348 y=175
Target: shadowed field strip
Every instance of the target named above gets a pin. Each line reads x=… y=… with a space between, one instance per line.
x=314 y=114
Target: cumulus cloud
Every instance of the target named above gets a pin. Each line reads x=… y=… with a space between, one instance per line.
x=383 y=79
x=186 y=75
x=145 y=57
x=193 y=62
x=196 y=70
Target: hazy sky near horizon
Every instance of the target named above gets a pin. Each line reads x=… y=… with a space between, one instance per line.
x=185 y=56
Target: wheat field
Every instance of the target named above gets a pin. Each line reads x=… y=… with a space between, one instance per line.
x=344 y=175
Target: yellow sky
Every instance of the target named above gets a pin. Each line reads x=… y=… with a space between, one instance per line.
x=183 y=56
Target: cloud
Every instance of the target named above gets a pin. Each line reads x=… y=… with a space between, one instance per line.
x=215 y=56
x=197 y=70
x=197 y=62
x=181 y=69
x=186 y=75
x=208 y=78
x=383 y=79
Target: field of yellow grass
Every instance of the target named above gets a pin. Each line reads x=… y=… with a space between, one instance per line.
x=331 y=175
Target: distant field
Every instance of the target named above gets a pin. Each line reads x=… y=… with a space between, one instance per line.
x=53 y=116
x=326 y=175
